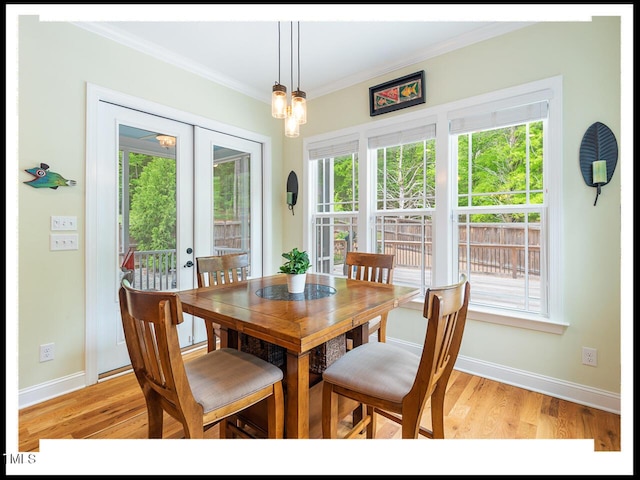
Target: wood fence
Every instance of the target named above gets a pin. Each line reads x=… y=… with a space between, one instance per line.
x=496 y=249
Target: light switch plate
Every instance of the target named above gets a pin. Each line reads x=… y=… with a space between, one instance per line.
x=63 y=242
x=64 y=223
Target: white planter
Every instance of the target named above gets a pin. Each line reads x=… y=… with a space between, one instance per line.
x=296 y=282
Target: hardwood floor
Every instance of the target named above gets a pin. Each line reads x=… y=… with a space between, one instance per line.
x=475 y=408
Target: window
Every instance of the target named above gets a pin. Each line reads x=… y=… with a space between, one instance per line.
x=470 y=187
x=501 y=206
x=335 y=217
x=405 y=200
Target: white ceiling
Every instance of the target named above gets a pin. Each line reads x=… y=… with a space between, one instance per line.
x=243 y=55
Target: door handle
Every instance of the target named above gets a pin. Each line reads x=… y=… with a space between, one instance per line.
x=189 y=264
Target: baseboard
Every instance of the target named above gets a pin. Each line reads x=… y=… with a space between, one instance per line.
x=581 y=394
x=54 y=388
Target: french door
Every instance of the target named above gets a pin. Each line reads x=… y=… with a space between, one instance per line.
x=167 y=192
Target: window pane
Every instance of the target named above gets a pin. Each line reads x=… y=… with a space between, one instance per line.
x=409 y=238
x=337 y=193
x=337 y=184
x=501 y=166
x=231 y=199
x=147 y=218
x=502 y=260
x=334 y=237
x=406 y=176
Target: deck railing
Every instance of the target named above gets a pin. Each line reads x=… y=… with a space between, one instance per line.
x=154 y=269
x=493 y=249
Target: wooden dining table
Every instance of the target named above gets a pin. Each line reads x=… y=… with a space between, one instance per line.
x=262 y=307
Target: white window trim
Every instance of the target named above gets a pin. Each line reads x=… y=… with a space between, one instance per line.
x=551 y=88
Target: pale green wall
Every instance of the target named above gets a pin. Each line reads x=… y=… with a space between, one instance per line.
x=587 y=55
x=56 y=61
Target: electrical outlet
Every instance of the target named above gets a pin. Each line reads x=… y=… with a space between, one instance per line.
x=46 y=352
x=63 y=242
x=589 y=356
x=64 y=223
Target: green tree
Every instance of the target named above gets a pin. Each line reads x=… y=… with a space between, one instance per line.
x=153 y=206
x=345 y=189
x=503 y=164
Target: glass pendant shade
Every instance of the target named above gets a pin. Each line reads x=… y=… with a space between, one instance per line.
x=291 y=127
x=299 y=104
x=279 y=101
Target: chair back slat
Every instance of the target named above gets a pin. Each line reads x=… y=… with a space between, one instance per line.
x=371 y=267
x=222 y=269
x=235 y=266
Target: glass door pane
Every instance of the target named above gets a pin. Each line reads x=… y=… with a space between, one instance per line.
x=228 y=172
x=147 y=208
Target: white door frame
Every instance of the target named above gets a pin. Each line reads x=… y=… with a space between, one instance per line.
x=95 y=94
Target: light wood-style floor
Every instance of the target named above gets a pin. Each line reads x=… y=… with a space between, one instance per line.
x=475 y=408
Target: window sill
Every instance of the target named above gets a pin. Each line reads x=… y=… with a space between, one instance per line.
x=500 y=318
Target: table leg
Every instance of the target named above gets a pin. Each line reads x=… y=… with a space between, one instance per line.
x=211 y=336
x=297 y=400
x=360 y=334
x=229 y=338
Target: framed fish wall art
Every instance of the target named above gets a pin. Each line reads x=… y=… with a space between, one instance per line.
x=399 y=93
x=45 y=178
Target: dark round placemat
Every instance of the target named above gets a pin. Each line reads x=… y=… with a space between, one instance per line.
x=312 y=291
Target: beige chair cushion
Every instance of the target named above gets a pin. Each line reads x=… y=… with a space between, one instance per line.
x=226 y=375
x=378 y=369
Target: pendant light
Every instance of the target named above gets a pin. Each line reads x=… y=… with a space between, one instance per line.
x=279 y=92
x=294 y=114
x=299 y=98
x=291 y=126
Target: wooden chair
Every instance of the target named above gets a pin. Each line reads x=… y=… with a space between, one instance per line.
x=396 y=383
x=372 y=267
x=218 y=270
x=201 y=392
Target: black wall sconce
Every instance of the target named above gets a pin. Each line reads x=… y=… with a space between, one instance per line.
x=292 y=191
x=598 y=156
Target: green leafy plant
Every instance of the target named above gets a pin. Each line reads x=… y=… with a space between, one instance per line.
x=297 y=262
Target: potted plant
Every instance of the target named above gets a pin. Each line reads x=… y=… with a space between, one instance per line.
x=296 y=268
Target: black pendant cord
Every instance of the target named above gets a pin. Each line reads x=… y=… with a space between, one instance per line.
x=298 y=57
x=279 y=53
x=597 y=194
x=291 y=54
